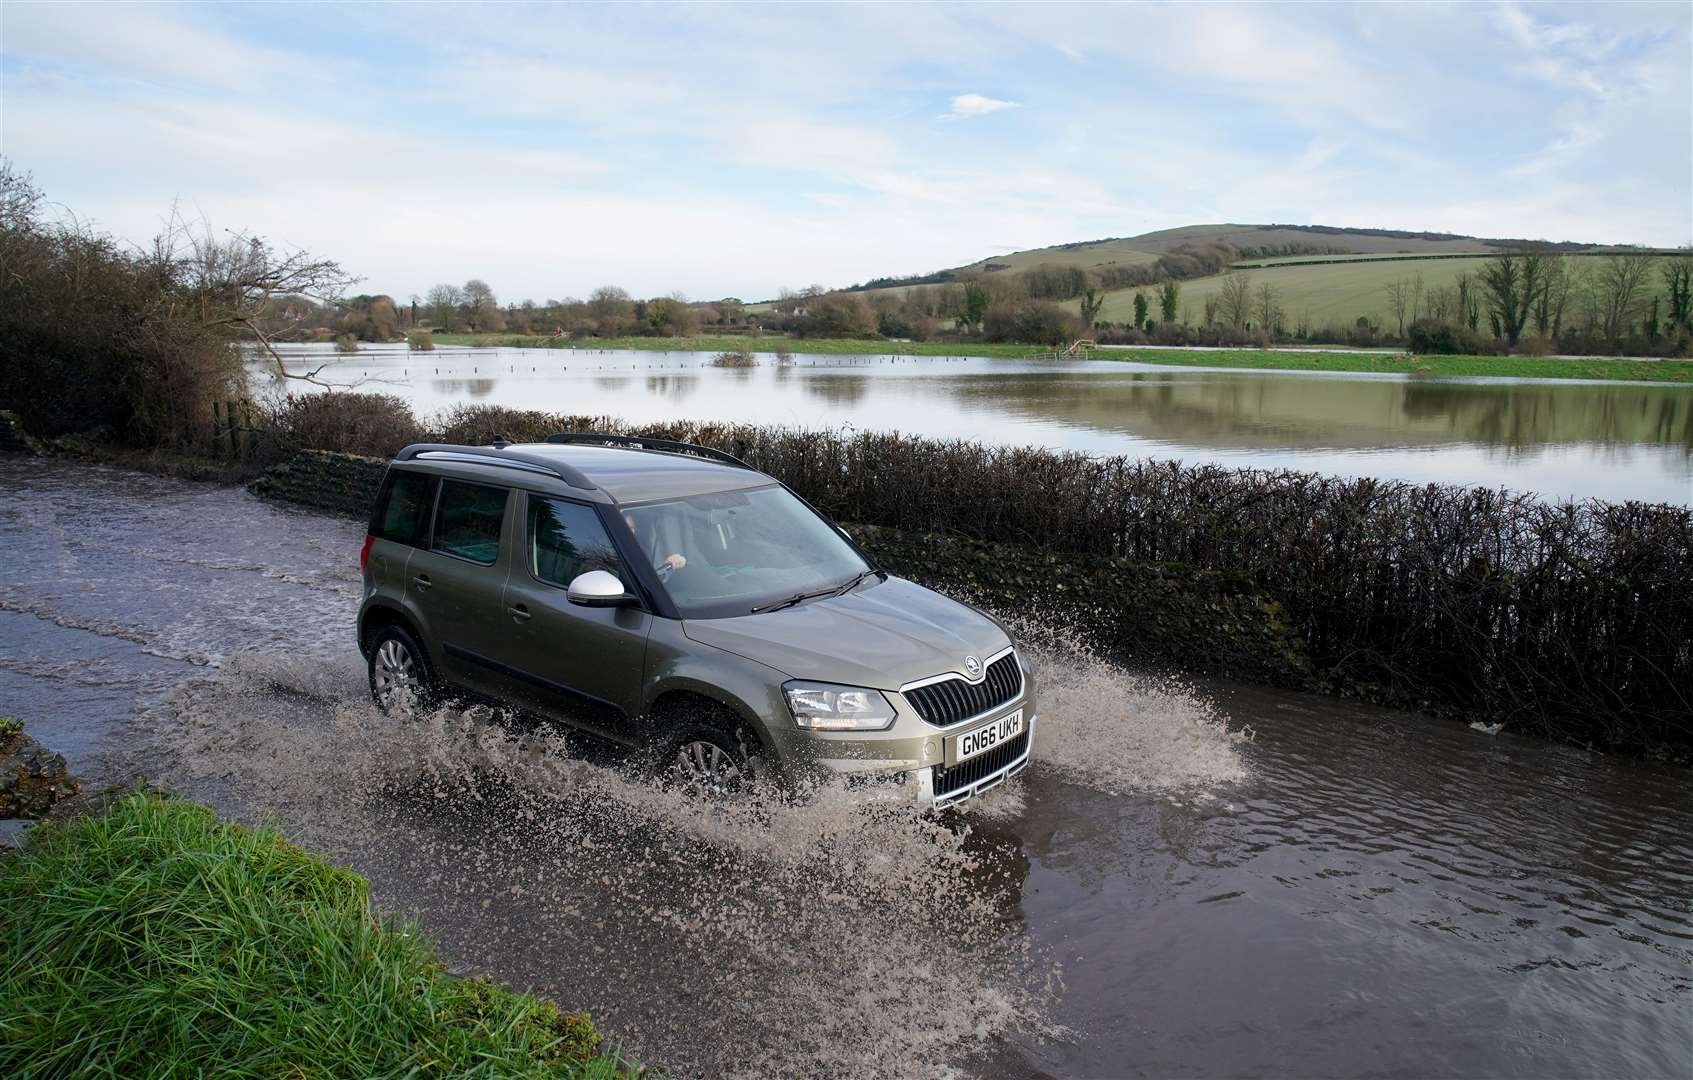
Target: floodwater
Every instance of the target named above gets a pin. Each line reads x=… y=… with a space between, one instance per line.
x=1189 y=881
x=1559 y=438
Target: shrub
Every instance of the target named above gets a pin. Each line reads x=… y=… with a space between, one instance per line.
x=92 y=334
x=735 y=358
x=420 y=341
x=1432 y=337
x=346 y=343
x=140 y=343
x=377 y=425
x=478 y=424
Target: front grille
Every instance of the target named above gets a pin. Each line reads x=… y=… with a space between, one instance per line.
x=946 y=703
x=981 y=767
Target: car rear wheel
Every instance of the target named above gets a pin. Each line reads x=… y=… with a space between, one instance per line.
x=400 y=679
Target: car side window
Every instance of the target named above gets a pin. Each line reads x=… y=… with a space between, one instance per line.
x=468 y=520
x=402 y=513
x=567 y=539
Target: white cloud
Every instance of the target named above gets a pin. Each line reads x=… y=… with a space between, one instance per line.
x=967 y=105
x=734 y=149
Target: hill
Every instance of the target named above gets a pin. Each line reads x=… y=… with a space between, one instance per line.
x=1248 y=241
x=1322 y=275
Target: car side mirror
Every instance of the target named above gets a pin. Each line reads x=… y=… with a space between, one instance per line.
x=599 y=588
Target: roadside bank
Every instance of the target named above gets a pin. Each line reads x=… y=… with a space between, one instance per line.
x=153 y=938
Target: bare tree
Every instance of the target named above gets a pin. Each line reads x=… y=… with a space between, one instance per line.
x=1549 y=307
x=1234 y=302
x=1513 y=282
x=1266 y=310
x=1399 y=300
x=610 y=307
x=234 y=284
x=1468 y=300
x=1620 y=284
x=444 y=303
x=1443 y=304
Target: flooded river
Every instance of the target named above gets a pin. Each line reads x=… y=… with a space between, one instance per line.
x=1190 y=881
x=1561 y=438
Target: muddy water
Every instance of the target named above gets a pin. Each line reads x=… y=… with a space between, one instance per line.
x=1212 y=880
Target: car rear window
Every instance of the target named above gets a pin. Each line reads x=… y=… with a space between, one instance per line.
x=402 y=509
x=468 y=520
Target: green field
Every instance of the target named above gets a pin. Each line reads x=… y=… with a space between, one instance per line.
x=1333 y=293
x=1536 y=367
x=156 y=940
x=1329 y=294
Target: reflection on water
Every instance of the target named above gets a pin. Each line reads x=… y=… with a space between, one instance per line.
x=1562 y=439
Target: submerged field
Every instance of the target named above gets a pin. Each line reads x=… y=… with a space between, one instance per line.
x=1505 y=367
x=1527 y=367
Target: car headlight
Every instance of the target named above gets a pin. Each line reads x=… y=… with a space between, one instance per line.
x=827 y=707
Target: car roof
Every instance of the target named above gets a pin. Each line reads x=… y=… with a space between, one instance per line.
x=617 y=474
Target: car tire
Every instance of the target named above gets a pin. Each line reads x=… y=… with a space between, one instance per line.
x=401 y=680
x=716 y=757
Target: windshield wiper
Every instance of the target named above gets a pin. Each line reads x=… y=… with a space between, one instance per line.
x=833 y=590
x=778 y=605
x=849 y=586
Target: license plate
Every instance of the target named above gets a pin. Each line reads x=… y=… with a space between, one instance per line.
x=985 y=738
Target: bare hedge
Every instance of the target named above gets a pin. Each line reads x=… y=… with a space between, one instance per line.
x=1570 y=620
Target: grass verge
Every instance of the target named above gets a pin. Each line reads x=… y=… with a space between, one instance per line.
x=1522 y=367
x=155 y=940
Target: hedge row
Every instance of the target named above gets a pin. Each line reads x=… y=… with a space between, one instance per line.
x=1569 y=620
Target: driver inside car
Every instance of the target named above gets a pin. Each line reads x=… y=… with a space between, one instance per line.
x=673 y=561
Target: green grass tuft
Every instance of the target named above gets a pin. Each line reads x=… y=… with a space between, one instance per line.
x=157 y=941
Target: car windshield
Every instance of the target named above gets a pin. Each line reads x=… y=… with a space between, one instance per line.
x=729 y=552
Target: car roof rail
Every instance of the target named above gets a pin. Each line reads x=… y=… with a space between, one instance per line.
x=641 y=442
x=499 y=457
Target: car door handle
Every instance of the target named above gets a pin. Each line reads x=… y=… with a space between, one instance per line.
x=519 y=613
x=421 y=581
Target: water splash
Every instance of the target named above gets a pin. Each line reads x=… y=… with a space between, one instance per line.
x=837 y=935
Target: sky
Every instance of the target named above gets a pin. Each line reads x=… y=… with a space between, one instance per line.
x=717 y=150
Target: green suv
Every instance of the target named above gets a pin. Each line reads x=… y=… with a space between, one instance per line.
x=671 y=598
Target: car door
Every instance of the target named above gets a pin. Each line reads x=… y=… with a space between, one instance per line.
x=582 y=664
x=454 y=585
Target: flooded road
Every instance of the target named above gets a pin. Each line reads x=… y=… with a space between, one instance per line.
x=1190 y=881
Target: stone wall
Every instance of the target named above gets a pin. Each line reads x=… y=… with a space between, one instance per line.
x=32 y=777
x=13 y=438
x=342 y=484
x=1195 y=620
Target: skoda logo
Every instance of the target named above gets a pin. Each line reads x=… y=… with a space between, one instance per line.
x=972 y=667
